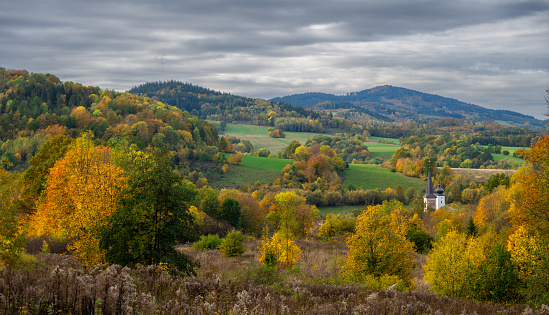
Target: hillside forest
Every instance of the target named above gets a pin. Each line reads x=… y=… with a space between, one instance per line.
x=107 y=206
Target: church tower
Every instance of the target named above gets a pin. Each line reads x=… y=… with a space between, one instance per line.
x=441 y=199
x=430 y=199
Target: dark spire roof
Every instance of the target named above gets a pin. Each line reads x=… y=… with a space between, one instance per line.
x=439 y=191
x=429 y=192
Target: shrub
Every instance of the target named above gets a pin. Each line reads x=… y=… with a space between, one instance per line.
x=231 y=211
x=480 y=268
x=211 y=241
x=55 y=245
x=336 y=225
x=379 y=246
x=231 y=245
x=384 y=282
x=279 y=251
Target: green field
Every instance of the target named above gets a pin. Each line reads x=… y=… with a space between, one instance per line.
x=499 y=157
x=246 y=129
x=239 y=175
x=259 y=137
x=369 y=176
x=377 y=139
x=382 y=150
x=271 y=164
x=338 y=209
x=512 y=149
x=251 y=170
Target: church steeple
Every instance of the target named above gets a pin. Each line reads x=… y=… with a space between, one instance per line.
x=429 y=192
x=430 y=198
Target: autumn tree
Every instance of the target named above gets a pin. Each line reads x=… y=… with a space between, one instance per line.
x=480 y=268
x=289 y=151
x=281 y=249
x=492 y=210
x=81 y=194
x=252 y=217
x=209 y=202
x=531 y=255
x=12 y=238
x=379 y=246
x=35 y=177
x=290 y=212
x=231 y=212
x=530 y=188
x=235 y=158
x=153 y=215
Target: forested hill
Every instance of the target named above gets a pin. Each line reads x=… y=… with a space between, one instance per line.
x=391 y=103
x=223 y=107
x=36 y=107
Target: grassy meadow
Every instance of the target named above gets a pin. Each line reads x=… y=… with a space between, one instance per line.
x=382 y=150
x=337 y=209
x=369 y=176
x=259 y=137
x=271 y=164
x=251 y=170
x=378 y=139
x=500 y=157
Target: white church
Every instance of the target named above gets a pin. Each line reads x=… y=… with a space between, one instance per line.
x=433 y=198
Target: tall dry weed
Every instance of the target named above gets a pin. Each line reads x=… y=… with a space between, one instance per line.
x=61 y=286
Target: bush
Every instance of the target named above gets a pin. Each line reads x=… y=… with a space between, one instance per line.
x=231 y=211
x=212 y=241
x=384 y=282
x=336 y=225
x=231 y=245
x=36 y=245
x=279 y=251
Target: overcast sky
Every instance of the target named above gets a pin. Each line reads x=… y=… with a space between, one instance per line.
x=493 y=53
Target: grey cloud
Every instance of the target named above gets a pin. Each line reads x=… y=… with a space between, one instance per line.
x=491 y=53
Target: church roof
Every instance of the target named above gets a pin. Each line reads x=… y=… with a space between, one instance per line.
x=439 y=191
x=429 y=191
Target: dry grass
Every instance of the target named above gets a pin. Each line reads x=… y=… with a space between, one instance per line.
x=223 y=286
x=480 y=175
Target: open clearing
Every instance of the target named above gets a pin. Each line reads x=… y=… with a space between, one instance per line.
x=369 y=176
x=259 y=137
x=480 y=175
x=338 y=209
x=382 y=150
x=251 y=170
x=239 y=175
x=377 y=139
x=272 y=164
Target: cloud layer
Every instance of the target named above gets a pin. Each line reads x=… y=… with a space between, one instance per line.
x=492 y=53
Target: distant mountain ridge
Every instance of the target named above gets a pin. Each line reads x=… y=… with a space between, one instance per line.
x=389 y=103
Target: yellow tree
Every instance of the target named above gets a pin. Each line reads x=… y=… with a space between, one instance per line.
x=529 y=190
x=492 y=210
x=379 y=246
x=531 y=255
x=281 y=249
x=11 y=237
x=81 y=194
x=445 y=270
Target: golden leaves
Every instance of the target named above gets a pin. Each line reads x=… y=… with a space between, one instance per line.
x=81 y=193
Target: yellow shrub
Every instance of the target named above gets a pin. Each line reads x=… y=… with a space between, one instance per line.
x=279 y=251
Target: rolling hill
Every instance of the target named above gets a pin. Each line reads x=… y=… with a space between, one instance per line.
x=389 y=103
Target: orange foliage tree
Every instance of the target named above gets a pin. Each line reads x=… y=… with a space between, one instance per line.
x=81 y=193
x=530 y=188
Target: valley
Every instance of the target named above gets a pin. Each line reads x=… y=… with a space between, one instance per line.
x=176 y=198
